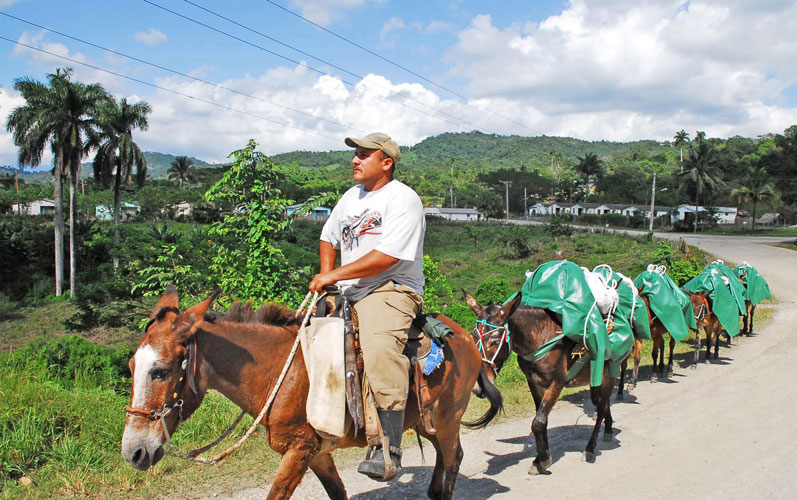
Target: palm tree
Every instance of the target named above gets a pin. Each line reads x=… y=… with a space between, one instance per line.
x=590 y=168
x=700 y=136
x=681 y=140
x=182 y=171
x=81 y=107
x=117 y=154
x=60 y=114
x=702 y=171
x=756 y=186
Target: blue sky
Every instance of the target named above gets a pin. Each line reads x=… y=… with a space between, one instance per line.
x=592 y=69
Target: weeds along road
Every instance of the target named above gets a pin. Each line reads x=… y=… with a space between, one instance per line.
x=724 y=430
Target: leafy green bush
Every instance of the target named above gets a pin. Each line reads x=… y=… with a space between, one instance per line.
x=436 y=286
x=558 y=225
x=493 y=291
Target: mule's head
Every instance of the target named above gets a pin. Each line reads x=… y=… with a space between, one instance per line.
x=701 y=305
x=159 y=397
x=491 y=333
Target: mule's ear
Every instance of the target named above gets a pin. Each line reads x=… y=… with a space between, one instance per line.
x=475 y=306
x=510 y=307
x=170 y=300
x=184 y=322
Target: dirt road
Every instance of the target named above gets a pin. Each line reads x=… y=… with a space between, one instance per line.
x=724 y=430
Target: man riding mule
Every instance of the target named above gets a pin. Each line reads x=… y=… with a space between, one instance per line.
x=253 y=358
x=378 y=226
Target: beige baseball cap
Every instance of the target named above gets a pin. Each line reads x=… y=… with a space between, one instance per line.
x=377 y=140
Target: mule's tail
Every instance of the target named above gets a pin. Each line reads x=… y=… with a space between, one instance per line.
x=493 y=395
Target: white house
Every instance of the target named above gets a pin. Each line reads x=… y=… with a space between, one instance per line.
x=538 y=210
x=128 y=211
x=725 y=215
x=457 y=214
x=38 y=207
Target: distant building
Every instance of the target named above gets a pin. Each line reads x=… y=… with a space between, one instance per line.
x=458 y=214
x=38 y=207
x=725 y=215
x=318 y=213
x=127 y=211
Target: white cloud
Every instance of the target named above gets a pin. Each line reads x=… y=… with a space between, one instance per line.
x=9 y=99
x=438 y=27
x=7 y=3
x=151 y=37
x=394 y=24
x=324 y=12
x=622 y=71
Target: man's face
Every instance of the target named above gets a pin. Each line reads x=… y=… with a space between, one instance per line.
x=370 y=167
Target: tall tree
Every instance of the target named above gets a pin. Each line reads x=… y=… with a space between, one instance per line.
x=681 y=140
x=117 y=153
x=702 y=171
x=756 y=186
x=60 y=114
x=590 y=168
x=82 y=105
x=182 y=171
x=700 y=136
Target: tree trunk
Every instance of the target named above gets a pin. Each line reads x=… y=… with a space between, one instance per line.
x=59 y=222
x=74 y=178
x=117 y=207
x=697 y=198
x=752 y=228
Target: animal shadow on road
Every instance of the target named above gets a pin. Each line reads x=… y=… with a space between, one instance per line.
x=562 y=439
x=416 y=487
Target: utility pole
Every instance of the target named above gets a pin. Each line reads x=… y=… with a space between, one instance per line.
x=525 y=197
x=652 y=202
x=507 y=183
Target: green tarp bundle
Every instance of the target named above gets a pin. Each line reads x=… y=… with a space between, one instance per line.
x=726 y=292
x=757 y=288
x=630 y=318
x=667 y=301
x=560 y=287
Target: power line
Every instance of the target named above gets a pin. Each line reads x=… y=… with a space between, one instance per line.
x=180 y=73
x=395 y=63
x=298 y=63
x=165 y=89
x=409 y=98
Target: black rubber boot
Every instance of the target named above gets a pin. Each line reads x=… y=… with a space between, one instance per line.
x=374 y=464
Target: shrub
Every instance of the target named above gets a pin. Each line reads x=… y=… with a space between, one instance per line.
x=558 y=226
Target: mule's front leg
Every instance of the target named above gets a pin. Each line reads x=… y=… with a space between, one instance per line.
x=324 y=467
x=697 y=348
x=669 y=360
x=539 y=426
x=752 y=315
x=292 y=467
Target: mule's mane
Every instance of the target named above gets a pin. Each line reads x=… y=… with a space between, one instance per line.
x=269 y=314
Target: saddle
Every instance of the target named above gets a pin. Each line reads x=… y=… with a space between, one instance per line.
x=423 y=349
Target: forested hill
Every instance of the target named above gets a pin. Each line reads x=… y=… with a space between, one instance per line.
x=476 y=147
x=158 y=165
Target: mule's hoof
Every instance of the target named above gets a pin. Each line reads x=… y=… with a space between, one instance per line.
x=693 y=366
x=654 y=380
x=670 y=373
x=589 y=457
x=538 y=468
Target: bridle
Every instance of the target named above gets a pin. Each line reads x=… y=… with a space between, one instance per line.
x=175 y=402
x=479 y=330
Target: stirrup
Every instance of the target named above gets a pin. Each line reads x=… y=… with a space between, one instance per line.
x=384 y=466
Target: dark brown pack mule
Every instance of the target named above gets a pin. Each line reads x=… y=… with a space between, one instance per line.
x=241 y=355
x=525 y=329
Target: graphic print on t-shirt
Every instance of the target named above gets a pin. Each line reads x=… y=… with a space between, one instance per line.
x=359 y=225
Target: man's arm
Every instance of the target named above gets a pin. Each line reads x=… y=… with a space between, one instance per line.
x=370 y=264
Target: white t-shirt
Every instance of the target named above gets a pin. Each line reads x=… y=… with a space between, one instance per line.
x=389 y=220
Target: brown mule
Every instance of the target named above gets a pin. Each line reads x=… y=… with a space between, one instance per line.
x=241 y=354
x=706 y=321
x=657 y=332
x=528 y=329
